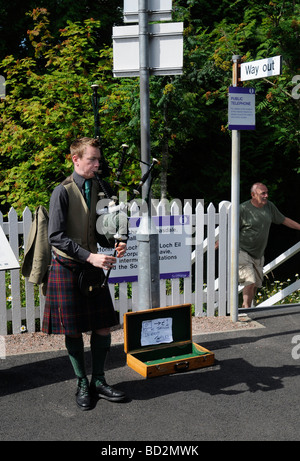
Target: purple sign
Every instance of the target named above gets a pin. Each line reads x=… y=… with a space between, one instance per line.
x=241 y=108
x=174 y=250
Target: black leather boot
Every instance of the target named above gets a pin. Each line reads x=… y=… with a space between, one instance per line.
x=104 y=391
x=83 y=395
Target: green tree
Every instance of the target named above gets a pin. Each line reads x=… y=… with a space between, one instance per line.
x=271 y=153
x=48 y=104
x=45 y=109
x=14 y=22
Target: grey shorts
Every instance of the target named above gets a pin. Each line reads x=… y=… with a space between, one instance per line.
x=250 y=269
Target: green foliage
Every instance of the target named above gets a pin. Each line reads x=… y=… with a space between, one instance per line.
x=14 y=22
x=48 y=104
x=271 y=288
x=252 y=30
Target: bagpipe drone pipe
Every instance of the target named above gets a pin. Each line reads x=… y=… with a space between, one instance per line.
x=112 y=224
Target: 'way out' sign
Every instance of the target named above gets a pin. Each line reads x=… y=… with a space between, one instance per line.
x=261 y=68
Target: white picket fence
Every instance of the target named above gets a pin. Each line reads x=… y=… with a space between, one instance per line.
x=198 y=289
x=207 y=287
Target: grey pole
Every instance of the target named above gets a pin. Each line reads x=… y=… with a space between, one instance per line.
x=147 y=236
x=235 y=203
x=144 y=90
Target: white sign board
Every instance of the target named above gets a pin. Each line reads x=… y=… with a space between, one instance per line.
x=174 y=251
x=241 y=108
x=7 y=257
x=158 y=10
x=165 y=50
x=261 y=68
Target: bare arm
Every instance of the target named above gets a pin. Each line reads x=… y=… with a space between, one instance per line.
x=290 y=223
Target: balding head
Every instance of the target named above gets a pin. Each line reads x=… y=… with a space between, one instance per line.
x=259 y=194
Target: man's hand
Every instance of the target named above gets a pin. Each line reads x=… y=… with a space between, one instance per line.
x=120 y=249
x=104 y=261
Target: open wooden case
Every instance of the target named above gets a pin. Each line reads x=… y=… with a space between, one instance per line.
x=159 y=342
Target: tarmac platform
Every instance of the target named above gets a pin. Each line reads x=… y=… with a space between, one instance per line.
x=251 y=393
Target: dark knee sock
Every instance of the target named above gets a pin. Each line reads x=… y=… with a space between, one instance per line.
x=75 y=350
x=100 y=345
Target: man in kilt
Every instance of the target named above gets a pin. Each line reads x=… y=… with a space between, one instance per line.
x=72 y=235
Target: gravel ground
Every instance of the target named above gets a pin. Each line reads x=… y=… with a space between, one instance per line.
x=25 y=343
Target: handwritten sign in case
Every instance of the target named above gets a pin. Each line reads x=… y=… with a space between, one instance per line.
x=156 y=331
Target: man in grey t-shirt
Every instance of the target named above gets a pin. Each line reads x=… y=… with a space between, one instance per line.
x=256 y=217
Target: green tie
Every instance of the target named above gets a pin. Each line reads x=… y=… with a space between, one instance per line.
x=87 y=191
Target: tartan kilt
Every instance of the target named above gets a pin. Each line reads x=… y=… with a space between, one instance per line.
x=67 y=310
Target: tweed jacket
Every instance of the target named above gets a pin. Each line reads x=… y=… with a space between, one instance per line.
x=37 y=256
x=81 y=222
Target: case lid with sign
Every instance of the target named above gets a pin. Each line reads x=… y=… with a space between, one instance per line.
x=154 y=327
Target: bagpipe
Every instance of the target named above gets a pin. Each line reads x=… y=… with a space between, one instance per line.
x=112 y=224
